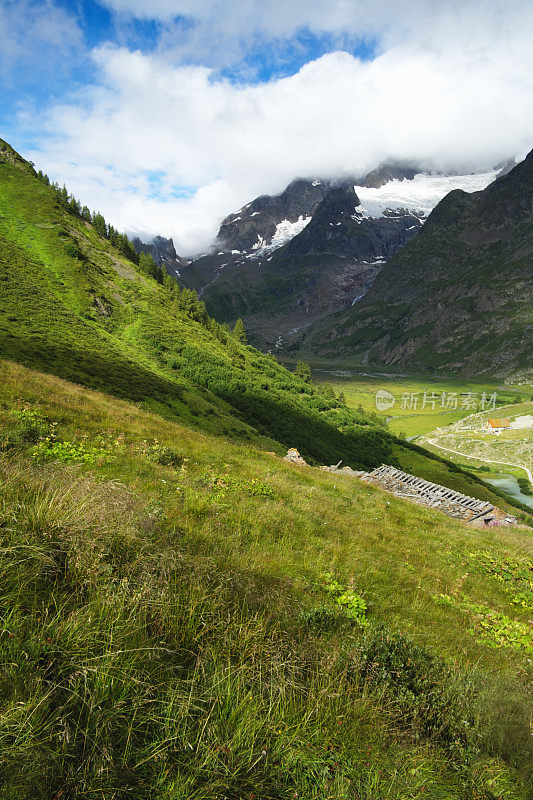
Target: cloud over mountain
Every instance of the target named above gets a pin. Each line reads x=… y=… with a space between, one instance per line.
x=170 y=147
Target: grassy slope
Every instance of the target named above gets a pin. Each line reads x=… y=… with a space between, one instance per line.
x=152 y=633
x=74 y=307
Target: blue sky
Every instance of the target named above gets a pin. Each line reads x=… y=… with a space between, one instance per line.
x=169 y=114
x=43 y=75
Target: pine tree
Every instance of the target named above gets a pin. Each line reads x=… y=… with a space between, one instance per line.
x=303 y=371
x=74 y=205
x=239 y=332
x=99 y=225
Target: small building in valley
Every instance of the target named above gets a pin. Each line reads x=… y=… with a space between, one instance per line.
x=498 y=424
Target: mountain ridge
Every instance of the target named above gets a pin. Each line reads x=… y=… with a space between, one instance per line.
x=466 y=278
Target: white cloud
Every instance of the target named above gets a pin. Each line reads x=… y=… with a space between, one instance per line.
x=454 y=93
x=38 y=38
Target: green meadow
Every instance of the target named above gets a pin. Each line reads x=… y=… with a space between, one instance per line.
x=185 y=615
x=420 y=404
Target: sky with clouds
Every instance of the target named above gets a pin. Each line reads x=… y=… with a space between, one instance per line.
x=167 y=115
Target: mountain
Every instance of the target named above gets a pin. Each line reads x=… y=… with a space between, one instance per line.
x=164 y=254
x=259 y=227
x=331 y=261
x=458 y=298
x=255 y=225
x=281 y=274
x=189 y=615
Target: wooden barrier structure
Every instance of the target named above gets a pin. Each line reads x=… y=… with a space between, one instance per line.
x=432 y=495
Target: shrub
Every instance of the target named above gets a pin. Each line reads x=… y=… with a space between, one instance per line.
x=424 y=691
x=67 y=452
x=166 y=456
x=352 y=604
x=524 y=485
x=30 y=428
x=322 y=619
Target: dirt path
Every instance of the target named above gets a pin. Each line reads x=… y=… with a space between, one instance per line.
x=482 y=458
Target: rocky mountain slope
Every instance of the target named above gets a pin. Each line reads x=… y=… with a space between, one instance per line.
x=164 y=254
x=332 y=260
x=282 y=263
x=459 y=297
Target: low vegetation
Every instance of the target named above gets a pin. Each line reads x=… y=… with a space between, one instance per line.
x=420 y=404
x=190 y=617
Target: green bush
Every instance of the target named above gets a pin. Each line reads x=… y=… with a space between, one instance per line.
x=352 y=604
x=30 y=428
x=322 y=619
x=524 y=485
x=428 y=697
x=67 y=452
x=166 y=456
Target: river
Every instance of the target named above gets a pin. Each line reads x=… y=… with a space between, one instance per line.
x=510 y=485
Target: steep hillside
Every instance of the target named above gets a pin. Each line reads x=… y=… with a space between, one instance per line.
x=74 y=306
x=184 y=616
x=458 y=298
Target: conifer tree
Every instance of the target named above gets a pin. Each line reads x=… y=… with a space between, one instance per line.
x=99 y=225
x=303 y=371
x=239 y=332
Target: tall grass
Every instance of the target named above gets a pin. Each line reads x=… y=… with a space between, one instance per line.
x=161 y=630
x=132 y=670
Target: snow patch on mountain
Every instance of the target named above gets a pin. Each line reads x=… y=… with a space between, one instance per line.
x=419 y=195
x=285 y=231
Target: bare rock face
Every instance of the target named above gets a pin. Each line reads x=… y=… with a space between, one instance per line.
x=164 y=254
x=389 y=172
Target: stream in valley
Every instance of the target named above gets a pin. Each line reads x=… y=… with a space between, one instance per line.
x=510 y=485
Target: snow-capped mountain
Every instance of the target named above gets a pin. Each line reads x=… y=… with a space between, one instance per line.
x=270 y=220
x=458 y=298
x=420 y=194
x=283 y=261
